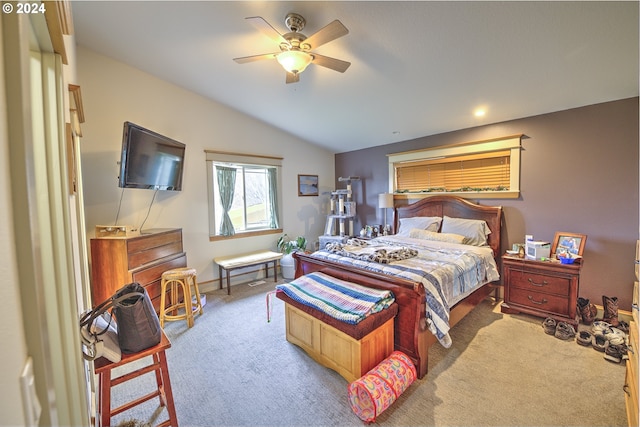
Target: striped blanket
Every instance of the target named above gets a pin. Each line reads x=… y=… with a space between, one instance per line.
x=447 y=272
x=345 y=301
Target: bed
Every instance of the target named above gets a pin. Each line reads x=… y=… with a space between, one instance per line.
x=425 y=313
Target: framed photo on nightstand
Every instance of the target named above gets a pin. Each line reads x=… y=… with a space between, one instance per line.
x=568 y=243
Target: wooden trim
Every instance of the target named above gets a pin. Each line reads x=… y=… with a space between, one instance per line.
x=458 y=144
x=230 y=153
x=59 y=21
x=76 y=96
x=246 y=234
x=463 y=194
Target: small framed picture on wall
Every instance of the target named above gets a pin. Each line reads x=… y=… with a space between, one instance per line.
x=307 y=185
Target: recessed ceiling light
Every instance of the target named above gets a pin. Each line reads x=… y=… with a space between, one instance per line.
x=396 y=132
x=480 y=112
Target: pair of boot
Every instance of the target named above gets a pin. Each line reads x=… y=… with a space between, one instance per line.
x=586 y=311
x=610 y=305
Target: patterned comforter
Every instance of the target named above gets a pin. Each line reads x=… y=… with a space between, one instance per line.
x=448 y=271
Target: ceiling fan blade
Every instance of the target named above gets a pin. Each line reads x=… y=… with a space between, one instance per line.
x=253 y=58
x=329 y=33
x=332 y=63
x=265 y=28
x=293 y=78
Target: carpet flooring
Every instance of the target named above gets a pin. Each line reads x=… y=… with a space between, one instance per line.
x=233 y=368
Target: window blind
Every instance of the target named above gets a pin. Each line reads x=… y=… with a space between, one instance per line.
x=481 y=170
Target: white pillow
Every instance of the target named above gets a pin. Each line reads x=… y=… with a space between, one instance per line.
x=475 y=230
x=436 y=237
x=431 y=223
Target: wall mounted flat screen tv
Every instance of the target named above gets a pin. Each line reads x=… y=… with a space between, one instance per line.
x=150 y=160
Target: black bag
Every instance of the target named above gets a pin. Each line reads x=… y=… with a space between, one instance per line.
x=138 y=323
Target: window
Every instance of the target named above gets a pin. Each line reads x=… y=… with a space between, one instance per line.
x=484 y=169
x=243 y=194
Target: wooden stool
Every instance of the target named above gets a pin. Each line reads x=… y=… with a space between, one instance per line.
x=185 y=278
x=103 y=369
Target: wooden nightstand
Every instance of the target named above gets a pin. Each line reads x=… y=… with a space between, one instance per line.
x=541 y=288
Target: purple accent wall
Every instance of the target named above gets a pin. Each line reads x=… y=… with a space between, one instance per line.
x=579 y=173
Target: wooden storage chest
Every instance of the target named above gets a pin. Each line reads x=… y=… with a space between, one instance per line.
x=330 y=347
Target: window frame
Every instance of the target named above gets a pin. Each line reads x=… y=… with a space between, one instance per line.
x=511 y=143
x=217 y=157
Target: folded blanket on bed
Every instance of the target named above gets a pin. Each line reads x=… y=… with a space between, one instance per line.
x=342 y=300
x=356 y=249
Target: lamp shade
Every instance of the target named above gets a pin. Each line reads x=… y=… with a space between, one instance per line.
x=294 y=61
x=385 y=200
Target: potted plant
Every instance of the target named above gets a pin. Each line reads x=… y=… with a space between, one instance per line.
x=288 y=247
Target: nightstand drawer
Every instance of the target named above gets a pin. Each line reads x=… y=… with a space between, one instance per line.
x=540 y=301
x=539 y=282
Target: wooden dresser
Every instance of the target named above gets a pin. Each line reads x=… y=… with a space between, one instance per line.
x=116 y=262
x=541 y=288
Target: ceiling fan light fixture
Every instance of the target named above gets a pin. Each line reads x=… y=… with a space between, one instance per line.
x=294 y=61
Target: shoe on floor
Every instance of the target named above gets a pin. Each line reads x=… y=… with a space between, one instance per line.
x=615 y=336
x=565 y=331
x=599 y=327
x=623 y=326
x=549 y=326
x=616 y=353
x=599 y=342
x=584 y=338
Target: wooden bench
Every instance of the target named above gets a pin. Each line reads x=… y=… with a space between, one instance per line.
x=233 y=262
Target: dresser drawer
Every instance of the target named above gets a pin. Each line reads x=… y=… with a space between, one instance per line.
x=139 y=259
x=151 y=277
x=535 y=282
x=145 y=242
x=540 y=301
x=144 y=249
x=152 y=272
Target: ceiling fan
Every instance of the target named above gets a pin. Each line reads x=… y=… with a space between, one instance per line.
x=295 y=48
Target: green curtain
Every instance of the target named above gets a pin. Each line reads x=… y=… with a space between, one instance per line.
x=226 y=187
x=273 y=198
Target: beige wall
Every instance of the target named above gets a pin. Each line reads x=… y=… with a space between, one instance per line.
x=579 y=174
x=13 y=337
x=114 y=92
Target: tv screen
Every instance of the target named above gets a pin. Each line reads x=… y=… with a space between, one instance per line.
x=150 y=160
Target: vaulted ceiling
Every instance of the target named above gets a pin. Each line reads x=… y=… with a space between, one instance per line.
x=418 y=68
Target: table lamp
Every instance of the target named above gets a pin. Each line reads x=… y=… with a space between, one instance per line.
x=385 y=201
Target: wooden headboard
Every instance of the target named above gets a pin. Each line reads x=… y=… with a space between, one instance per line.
x=455 y=207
